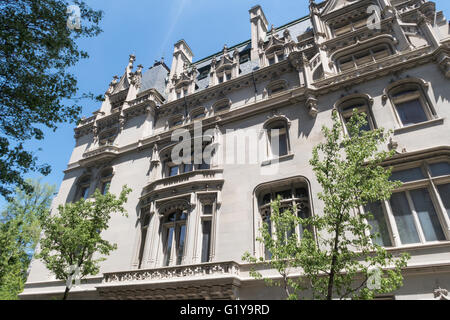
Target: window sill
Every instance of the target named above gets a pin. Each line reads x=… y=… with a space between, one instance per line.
x=277 y=160
x=418 y=246
x=418 y=126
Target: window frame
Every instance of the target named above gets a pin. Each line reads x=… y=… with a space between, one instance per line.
x=268 y=127
x=419 y=94
x=372 y=55
x=177 y=225
x=428 y=183
x=262 y=208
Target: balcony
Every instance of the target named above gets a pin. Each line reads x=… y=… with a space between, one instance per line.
x=204 y=281
x=212 y=176
x=99 y=154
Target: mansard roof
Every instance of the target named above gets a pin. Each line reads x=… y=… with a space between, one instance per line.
x=155 y=78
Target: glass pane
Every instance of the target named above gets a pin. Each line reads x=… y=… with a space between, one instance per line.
x=427 y=215
x=440 y=169
x=285 y=194
x=378 y=224
x=444 y=192
x=188 y=168
x=407 y=175
x=207 y=209
x=105 y=187
x=206 y=241
x=303 y=213
x=266 y=199
x=283 y=145
x=169 y=240
x=180 y=243
x=404 y=219
x=85 y=192
x=411 y=112
x=173 y=171
x=301 y=193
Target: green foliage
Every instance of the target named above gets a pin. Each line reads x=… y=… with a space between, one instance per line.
x=19 y=234
x=73 y=237
x=339 y=258
x=36 y=88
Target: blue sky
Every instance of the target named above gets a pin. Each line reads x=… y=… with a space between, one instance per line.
x=148 y=29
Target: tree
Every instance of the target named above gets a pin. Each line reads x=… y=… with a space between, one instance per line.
x=338 y=253
x=19 y=234
x=72 y=239
x=36 y=89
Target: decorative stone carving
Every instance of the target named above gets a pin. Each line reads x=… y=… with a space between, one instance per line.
x=311 y=104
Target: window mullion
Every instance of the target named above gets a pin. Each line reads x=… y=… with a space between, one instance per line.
x=396 y=241
x=416 y=217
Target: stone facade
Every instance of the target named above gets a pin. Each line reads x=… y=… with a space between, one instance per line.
x=188 y=226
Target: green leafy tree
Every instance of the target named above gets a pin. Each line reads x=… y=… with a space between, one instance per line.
x=341 y=258
x=73 y=237
x=19 y=234
x=37 y=90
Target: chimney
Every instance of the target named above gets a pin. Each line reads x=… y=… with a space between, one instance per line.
x=259 y=29
x=181 y=54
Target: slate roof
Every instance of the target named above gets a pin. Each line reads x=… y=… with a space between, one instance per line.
x=155 y=78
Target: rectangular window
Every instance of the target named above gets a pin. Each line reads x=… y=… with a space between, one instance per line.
x=444 y=193
x=207 y=209
x=173 y=171
x=407 y=175
x=404 y=219
x=440 y=169
x=181 y=237
x=378 y=224
x=428 y=218
x=206 y=241
x=271 y=61
x=228 y=76
x=169 y=241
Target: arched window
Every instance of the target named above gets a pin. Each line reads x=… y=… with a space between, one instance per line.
x=83 y=188
x=277 y=137
x=293 y=194
x=411 y=103
x=174 y=226
x=363 y=104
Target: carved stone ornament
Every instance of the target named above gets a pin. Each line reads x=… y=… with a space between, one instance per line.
x=441 y=294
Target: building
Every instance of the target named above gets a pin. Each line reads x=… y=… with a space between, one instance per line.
x=189 y=225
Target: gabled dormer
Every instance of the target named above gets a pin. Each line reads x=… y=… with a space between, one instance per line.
x=276 y=49
x=224 y=68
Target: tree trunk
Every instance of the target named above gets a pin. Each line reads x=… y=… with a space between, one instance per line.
x=66 y=293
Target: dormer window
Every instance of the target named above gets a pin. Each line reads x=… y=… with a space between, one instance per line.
x=364 y=57
x=244 y=58
x=222 y=105
x=203 y=74
x=198 y=113
x=176 y=121
x=349 y=26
